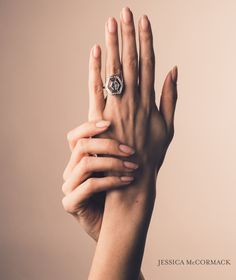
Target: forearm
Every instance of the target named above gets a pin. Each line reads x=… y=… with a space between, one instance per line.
x=96 y=236
x=141 y=277
x=124 y=229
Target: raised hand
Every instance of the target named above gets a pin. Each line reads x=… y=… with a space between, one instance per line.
x=134 y=115
x=136 y=120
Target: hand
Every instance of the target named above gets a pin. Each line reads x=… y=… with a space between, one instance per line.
x=84 y=193
x=135 y=118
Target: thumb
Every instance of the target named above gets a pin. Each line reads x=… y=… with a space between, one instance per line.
x=169 y=98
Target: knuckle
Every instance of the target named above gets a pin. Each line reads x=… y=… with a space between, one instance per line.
x=110 y=145
x=129 y=31
x=114 y=67
x=97 y=88
x=148 y=60
x=85 y=162
x=131 y=61
x=146 y=37
x=112 y=41
x=70 y=138
x=94 y=66
x=80 y=146
x=68 y=207
x=90 y=185
x=116 y=164
x=64 y=188
x=113 y=181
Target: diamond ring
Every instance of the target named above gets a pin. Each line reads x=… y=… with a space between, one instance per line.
x=114 y=84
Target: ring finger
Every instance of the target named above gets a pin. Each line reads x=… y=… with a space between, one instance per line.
x=113 y=65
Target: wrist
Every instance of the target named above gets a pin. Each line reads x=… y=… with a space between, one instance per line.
x=141 y=190
x=134 y=203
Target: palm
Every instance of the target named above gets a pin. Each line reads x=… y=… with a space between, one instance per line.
x=90 y=215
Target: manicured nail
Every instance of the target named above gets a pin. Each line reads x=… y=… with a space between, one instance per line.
x=126 y=149
x=130 y=165
x=111 y=25
x=96 y=51
x=102 y=124
x=127 y=179
x=126 y=15
x=174 y=74
x=145 y=23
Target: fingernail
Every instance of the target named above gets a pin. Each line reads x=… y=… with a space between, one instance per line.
x=126 y=149
x=174 y=74
x=130 y=165
x=111 y=25
x=126 y=15
x=145 y=23
x=127 y=179
x=96 y=51
x=102 y=124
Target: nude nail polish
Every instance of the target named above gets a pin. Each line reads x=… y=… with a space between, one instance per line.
x=126 y=149
x=102 y=124
x=145 y=23
x=96 y=51
x=130 y=165
x=127 y=179
x=111 y=25
x=126 y=15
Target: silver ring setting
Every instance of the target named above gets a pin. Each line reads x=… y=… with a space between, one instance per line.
x=114 y=84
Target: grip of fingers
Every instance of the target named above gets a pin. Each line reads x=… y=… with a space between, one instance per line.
x=74 y=201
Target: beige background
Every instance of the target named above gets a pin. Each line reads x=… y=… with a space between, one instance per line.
x=44 y=47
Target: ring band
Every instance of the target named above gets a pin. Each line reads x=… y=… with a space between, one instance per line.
x=114 y=84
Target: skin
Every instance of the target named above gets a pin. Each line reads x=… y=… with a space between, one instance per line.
x=81 y=200
x=135 y=120
x=84 y=197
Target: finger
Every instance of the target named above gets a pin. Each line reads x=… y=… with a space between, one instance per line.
x=146 y=61
x=113 y=65
x=169 y=99
x=73 y=201
x=129 y=50
x=89 y=165
x=86 y=130
x=96 y=97
x=86 y=146
x=112 y=48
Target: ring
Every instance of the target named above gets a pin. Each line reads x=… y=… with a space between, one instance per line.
x=114 y=84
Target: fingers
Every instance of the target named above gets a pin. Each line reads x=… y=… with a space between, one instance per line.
x=90 y=164
x=146 y=61
x=96 y=97
x=86 y=130
x=129 y=51
x=96 y=146
x=72 y=202
x=169 y=99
